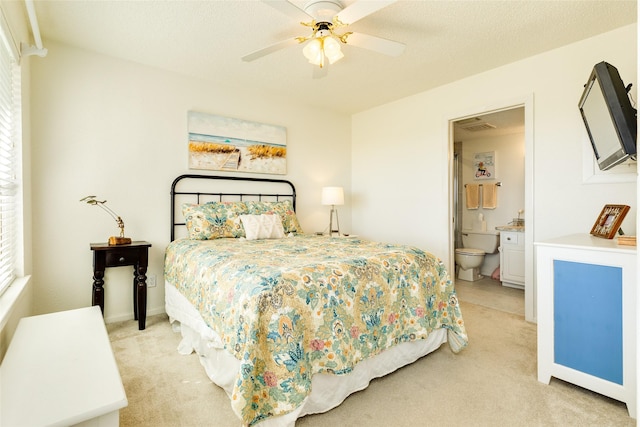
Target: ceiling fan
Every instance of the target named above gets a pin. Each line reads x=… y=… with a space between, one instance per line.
x=325 y=18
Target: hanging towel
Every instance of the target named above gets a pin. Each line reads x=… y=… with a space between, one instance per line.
x=489 y=196
x=473 y=196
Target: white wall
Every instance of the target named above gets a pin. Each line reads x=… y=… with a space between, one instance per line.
x=118 y=130
x=400 y=151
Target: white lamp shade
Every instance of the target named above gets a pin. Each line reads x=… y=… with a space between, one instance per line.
x=313 y=51
x=332 y=196
x=332 y=49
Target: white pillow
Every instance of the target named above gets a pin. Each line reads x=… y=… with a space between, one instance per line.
x=263 y=226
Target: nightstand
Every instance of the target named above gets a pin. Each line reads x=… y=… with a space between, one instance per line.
x=135 y=254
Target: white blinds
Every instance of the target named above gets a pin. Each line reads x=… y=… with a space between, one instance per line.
x=9 y=138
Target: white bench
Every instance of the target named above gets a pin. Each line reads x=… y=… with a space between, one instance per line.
x=59 y=370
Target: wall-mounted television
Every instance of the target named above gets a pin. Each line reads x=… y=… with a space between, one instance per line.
x=609 y=117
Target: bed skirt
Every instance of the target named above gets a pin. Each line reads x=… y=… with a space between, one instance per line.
x=328 y=391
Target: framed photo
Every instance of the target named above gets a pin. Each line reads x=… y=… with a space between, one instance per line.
x=609 y=221
x=484 y=165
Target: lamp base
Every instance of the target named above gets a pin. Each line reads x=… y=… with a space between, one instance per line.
x=334 y=211
x=113 y=241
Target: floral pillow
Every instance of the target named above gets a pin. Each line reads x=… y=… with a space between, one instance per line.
x=282 y=208
x=214 y=220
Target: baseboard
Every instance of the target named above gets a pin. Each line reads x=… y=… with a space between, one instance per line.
x=125 y=317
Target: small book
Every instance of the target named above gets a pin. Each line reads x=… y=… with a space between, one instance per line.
x=627 y=240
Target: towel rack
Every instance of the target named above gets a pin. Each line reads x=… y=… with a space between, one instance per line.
x=499 y=184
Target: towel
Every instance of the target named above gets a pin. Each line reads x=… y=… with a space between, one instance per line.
x=473 y=196
x=489 y=196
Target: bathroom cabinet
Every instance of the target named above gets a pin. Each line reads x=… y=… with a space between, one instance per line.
x=587 y=315
x=512 y=259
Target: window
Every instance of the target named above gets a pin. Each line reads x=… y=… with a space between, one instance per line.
x=10 y=158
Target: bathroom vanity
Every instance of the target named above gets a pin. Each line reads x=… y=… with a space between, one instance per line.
x=512 y=265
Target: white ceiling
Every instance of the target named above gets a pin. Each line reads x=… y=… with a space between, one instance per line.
x=445 y=41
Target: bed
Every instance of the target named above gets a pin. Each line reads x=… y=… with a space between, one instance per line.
x=287 y=323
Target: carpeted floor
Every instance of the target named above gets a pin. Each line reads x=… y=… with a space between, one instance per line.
x=491 y=383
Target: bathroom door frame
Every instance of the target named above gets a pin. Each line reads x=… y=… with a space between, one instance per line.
x=526 y=101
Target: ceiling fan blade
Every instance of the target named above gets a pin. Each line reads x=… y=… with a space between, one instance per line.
x=290 y=10
x=362 y=8
x=269 y=49
x=377 y=44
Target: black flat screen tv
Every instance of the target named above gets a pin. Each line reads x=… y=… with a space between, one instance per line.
x=609 y=117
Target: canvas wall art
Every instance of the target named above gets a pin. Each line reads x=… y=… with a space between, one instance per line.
x=227 y=144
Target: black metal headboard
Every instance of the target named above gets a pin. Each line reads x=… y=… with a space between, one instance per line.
x=205 y=188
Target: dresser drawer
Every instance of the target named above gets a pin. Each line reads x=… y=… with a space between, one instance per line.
x=115 y=258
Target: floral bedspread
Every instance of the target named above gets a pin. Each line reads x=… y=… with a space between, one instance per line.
x=291 y=308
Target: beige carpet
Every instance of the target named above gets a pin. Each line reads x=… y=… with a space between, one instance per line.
x=490 y=383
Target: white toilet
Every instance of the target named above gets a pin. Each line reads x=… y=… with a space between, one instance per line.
x=469 y=258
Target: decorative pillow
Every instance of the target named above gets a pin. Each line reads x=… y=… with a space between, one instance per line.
x=266 y=226
x=283 y=208
x=214 y=220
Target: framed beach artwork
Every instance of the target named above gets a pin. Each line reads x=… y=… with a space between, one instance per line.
x=227 y=144
x=484 y=165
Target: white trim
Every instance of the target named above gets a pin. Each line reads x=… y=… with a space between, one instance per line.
x=9 y=299
x=591 y=173
x=33 y=20
x=25 y=48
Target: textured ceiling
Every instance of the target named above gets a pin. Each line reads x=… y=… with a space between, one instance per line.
x=445 y=41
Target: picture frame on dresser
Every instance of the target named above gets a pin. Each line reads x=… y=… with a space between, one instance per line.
x=608 y=222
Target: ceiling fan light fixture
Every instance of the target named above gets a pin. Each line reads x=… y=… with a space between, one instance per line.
x=332 y=50
x=324 y=43
x=313 y=51
x=318 y=48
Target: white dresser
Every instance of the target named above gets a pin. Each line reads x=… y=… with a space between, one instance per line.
x=59 y=370
x=586 y=315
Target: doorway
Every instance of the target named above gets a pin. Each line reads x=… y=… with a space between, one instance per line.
x=502 y=124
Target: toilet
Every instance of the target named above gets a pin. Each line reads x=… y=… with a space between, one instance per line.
x=469 y=258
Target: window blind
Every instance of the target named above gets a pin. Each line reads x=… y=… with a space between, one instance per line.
x=9 y=164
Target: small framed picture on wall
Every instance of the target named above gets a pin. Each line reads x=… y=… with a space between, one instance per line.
x=609 y=221
x=484 y=165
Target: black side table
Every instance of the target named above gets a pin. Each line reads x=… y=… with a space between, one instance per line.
x=135 y=254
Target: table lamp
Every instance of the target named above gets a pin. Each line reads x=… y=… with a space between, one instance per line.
x=113 y=240
x=333 y=196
